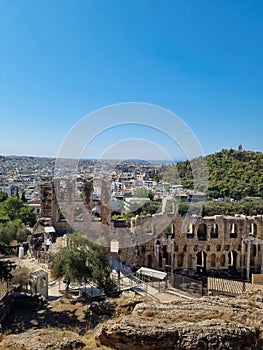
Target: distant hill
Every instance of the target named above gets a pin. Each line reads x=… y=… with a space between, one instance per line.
x=232 y=173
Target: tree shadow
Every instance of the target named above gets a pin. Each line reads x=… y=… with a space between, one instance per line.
x=21 y=319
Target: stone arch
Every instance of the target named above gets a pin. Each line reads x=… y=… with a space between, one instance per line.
x=190 y=230
x=222 y=260
x=202 y=232
x=214 y=231
x=233 y=230
x=213 y=260
x=170 y=229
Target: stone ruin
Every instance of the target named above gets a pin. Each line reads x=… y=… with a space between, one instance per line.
x=166 y=240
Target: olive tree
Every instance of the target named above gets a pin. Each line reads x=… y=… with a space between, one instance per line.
x=82 y=260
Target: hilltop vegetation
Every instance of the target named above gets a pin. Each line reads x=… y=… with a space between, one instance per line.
x=210 y=207
x=231 y=173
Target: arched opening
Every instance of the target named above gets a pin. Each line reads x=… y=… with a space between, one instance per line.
x=213 y=260
x=201 y=261
x=214 y=231
x=63 y=190
x=149 y=261
x=222 y=260
x=170 y=230
x=202 y=232
x=180 y=260
x=232 y=259
x=253 y=229
x=190 y=231
x=233 y=230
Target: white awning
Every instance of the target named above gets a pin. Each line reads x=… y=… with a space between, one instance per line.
x=50 y=229
x=151 y=273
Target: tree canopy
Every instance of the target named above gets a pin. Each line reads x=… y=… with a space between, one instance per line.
x=143 y=193
x=82 y=260
x=14 y=208
x=3 y=196
x=13 y=231
x=210 y=208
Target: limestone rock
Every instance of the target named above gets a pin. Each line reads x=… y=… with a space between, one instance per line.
x=206 y=324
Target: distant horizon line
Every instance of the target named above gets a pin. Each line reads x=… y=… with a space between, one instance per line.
x=179 y=159
x=103 y=159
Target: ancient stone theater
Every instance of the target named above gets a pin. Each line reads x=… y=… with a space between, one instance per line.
x=164 y=241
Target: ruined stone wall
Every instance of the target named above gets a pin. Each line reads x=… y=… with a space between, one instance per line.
x=48 y=203
x=165 y=240
x=213 y=243
x=61 y=195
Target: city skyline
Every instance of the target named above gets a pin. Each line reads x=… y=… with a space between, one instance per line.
x=62 y=61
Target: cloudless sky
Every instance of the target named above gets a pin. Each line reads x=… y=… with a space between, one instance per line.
x=62 y=60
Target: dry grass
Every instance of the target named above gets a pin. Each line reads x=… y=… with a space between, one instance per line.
x=187 y=317
x=149 y=313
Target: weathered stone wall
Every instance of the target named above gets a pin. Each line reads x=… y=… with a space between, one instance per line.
x=213 y=243
x=165 y=240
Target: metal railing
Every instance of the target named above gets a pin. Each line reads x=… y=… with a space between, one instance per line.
x=188 y=285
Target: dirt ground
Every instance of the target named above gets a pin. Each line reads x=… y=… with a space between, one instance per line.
x=59 y=321
x=52 y=326
x=58 y=324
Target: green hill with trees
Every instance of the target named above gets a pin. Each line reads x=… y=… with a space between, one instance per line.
x=231 y=173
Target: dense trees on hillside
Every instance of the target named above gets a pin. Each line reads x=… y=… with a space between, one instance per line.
x=210 y=208
x=231 y=173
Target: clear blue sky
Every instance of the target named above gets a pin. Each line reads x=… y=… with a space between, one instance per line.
x=61 y=60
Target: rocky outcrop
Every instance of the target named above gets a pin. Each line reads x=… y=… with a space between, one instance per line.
x=201 y=336
x=207 y=324
x=44 y=339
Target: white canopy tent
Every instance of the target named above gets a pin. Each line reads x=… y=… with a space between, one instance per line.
x=145 y=271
